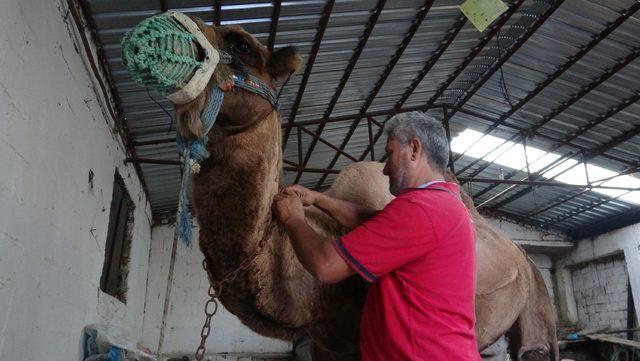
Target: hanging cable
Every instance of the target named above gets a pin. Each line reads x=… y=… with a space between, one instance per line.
x=163 y=109
x=503 y=84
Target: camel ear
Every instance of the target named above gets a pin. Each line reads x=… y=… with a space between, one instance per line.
x=283 y=62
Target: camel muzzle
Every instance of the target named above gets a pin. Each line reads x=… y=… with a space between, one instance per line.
x=170 y=54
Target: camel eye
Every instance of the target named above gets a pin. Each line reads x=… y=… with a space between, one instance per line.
x=241 y=47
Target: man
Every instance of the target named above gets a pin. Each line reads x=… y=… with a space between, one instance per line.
x=418 y=252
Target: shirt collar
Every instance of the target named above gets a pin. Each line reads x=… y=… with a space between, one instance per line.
x=425 y=185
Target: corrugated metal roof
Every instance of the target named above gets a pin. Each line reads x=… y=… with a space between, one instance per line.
x=575 y=62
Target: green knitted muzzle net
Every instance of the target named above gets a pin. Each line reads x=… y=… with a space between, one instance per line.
x=161 y=54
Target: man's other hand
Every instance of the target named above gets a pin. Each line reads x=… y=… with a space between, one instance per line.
x=288 y=207
x=307 y=196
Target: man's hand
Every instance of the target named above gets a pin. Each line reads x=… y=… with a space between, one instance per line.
x=307 y=196
x=288 y=207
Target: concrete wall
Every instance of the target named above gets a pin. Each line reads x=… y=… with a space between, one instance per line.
x=600 y=291
x=53 y=223
x=175 y=330
x=592 y=251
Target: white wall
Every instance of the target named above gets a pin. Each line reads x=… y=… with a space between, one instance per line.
x=187 y=295
x=53 y=226
x=625 y=240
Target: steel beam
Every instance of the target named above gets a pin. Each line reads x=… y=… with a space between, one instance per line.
x=542 y=135
x=291 y=168
x=444 y=45
x=273 y=28
x=364 y=38
x=623 y=219
x=476 y=50
x=217 y=12
x=573 y=99
x=588 y=155
x=322 y=26
x=562 y=69
x=598 y=120
x=517 y=44
x=417 y=21
x=545 y=183
x=325 y=142
x=336 y=119
x=470 y=57
x=310 y=170
x=556 y=220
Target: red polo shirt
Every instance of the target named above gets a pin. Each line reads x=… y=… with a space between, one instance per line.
x=420 y=254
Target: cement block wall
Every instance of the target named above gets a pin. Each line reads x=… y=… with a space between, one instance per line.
x=53 y=222
x=594 y=251
x=600 y=291
x=184 y=315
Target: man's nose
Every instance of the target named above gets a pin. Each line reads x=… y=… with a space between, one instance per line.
x=385 y=170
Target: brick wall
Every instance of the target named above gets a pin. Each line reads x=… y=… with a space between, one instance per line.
x=600 y=291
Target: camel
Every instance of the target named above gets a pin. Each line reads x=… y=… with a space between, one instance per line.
x=232 y=198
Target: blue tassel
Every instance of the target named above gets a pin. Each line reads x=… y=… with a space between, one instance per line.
x=194 y=151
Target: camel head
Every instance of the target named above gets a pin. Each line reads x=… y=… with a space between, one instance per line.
x=241 y=108
x=184 y=59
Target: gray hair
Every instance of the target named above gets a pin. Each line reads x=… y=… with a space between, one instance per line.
x=406 y=126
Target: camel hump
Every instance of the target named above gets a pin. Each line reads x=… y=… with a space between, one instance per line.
x=362 y=183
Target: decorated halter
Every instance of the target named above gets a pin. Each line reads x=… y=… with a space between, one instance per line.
x=161 y=53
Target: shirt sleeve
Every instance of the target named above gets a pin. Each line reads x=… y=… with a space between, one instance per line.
x=397 y=235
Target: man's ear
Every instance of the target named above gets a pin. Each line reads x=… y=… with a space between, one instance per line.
x=283 y=62
x=416 y=148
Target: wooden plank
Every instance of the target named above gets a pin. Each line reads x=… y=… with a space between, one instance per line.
x=614 y=339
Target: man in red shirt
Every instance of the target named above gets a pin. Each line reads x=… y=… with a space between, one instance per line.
x=418 y=252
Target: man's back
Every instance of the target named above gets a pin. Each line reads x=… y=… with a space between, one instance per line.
x=420 y=254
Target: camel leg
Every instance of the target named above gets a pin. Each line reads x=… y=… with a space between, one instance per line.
x=533 y=336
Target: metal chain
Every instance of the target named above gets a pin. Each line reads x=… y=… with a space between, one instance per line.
x=215 y=290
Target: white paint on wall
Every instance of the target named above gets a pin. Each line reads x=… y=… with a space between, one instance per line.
x=185 y=315
x=53 y=224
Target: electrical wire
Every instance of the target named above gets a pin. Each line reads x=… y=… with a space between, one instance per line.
x=503 y=84
x=163 y=109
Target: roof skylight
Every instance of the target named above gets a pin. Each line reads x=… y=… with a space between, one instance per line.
x=511 y=155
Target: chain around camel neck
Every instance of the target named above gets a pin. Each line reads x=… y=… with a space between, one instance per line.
x=215 y=289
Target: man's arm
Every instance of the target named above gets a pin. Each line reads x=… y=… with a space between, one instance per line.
x=344 y=212
x=315 y=252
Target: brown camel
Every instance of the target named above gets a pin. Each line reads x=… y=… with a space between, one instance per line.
x=276 y=297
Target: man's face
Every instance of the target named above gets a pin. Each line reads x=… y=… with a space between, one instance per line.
x=397 y=167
